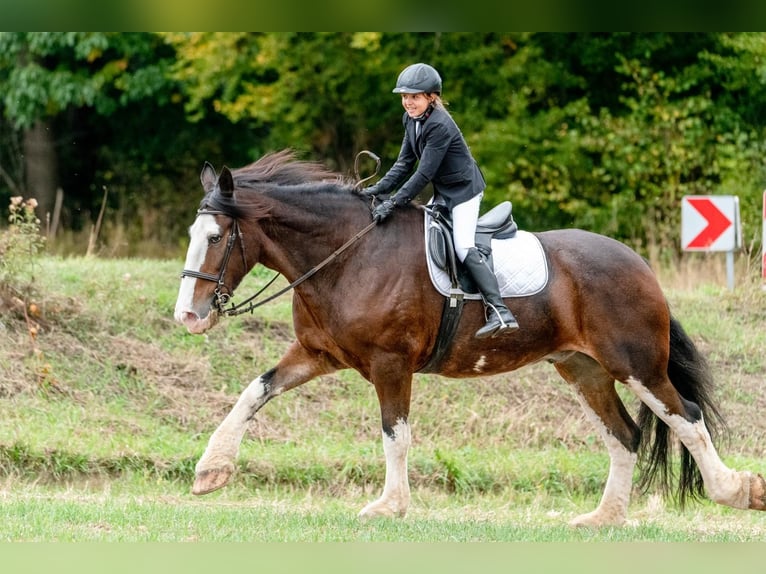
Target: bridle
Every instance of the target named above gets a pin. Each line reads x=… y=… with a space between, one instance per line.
x=222 y=294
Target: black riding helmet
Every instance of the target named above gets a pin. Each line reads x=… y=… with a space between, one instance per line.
x=418 y=78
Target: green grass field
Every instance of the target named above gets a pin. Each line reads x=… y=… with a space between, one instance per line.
x=106 y=405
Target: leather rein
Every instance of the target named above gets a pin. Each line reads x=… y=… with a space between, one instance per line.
x=222 y=294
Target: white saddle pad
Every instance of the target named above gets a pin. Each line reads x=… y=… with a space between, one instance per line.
x=519 y=262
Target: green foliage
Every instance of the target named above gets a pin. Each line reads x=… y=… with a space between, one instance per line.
x=119 y=124
x=605 y=131
x=618 y=161
x=309 y=91
x=45 y=74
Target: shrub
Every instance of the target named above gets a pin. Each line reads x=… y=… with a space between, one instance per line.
x=20 y=244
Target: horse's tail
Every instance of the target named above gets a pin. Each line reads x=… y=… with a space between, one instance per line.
x=690 y=374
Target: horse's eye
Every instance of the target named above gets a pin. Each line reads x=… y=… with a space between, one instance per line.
x=214 y=239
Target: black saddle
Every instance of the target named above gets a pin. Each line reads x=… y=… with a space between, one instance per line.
x=497 y=223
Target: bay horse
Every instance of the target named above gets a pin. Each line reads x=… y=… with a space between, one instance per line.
x=601 y=319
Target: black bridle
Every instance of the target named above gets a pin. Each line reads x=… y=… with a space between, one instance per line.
x=222 y=293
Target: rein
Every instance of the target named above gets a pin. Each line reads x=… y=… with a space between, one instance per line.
x=249 y=304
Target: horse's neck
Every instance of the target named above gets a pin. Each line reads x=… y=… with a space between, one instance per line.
x=297 y=241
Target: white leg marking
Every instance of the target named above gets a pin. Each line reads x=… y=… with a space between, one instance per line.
x=396 y=493
x=613 y=508
x=723 y=485
x=479 y=365
x=223 y=446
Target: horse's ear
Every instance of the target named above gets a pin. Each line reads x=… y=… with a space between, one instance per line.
x=208 y=177
x=226 y=182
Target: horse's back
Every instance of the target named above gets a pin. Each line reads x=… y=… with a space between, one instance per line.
x=598 y=264
x=593 y=250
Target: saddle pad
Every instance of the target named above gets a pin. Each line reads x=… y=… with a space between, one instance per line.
x=520 y=267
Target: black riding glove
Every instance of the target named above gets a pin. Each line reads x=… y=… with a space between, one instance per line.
x=383 y=210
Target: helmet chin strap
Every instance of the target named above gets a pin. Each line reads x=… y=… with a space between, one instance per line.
x=424 y=116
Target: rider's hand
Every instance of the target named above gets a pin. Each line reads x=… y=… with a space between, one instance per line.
x=383 y=210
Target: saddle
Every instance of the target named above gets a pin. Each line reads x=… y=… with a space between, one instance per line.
x=497 y=223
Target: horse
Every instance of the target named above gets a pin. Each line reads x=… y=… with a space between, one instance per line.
x=601 y=319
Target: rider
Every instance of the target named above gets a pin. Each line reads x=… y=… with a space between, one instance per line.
x=433 y=140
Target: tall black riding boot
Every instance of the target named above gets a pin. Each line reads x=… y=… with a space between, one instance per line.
x=501 y=320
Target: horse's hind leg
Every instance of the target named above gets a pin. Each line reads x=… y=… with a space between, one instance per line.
x=595 y=389
x=296 y=367
x=738 y=489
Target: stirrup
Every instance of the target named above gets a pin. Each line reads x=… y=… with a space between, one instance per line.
x=496 y=326
x=488 y=330
x=506 y=328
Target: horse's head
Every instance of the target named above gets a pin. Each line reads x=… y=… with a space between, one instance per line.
x=280 y=212
x=215 y=261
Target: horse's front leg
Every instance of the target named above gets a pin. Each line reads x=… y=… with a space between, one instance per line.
x=393 y=385
x=296 y=367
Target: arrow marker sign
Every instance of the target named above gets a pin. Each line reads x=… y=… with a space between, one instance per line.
x=717 y=223
x=708 y=223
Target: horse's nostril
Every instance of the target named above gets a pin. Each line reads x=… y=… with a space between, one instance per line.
x=186 y=316
x=190 y=316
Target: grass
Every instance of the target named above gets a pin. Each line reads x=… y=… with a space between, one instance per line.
x=105 y=410
x=113 y=511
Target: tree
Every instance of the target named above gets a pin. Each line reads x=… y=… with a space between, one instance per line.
x=601 y=131
x=307 y=91
x=47 y=75
x=608 y=132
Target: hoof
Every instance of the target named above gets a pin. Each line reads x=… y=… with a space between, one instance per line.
x=596 y=520
x=207 y=481
x=757 y=492
x=378 y=509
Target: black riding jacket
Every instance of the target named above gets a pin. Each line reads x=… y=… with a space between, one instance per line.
x=442 y=158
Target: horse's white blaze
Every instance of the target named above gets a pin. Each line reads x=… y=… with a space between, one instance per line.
x=204 y=227
x=223 y=446
x=613 y=508
x=396 y=491
x=723 y=485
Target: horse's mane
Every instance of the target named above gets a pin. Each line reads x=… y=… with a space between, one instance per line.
x=284 y=168
x=281 y=169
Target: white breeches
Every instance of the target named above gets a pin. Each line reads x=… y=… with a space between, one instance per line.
x=464 y=218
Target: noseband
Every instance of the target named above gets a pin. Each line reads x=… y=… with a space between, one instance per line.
x=222 y=293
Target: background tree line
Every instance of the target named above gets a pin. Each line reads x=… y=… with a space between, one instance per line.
x=601 y=131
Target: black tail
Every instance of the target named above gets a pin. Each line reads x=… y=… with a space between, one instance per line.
x=690 y=374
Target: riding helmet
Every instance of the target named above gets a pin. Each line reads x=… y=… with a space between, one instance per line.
x=418 y=78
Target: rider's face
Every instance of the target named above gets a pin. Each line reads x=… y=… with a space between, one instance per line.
x=415 y=104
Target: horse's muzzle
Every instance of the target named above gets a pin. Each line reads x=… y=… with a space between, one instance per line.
x=196 y=325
